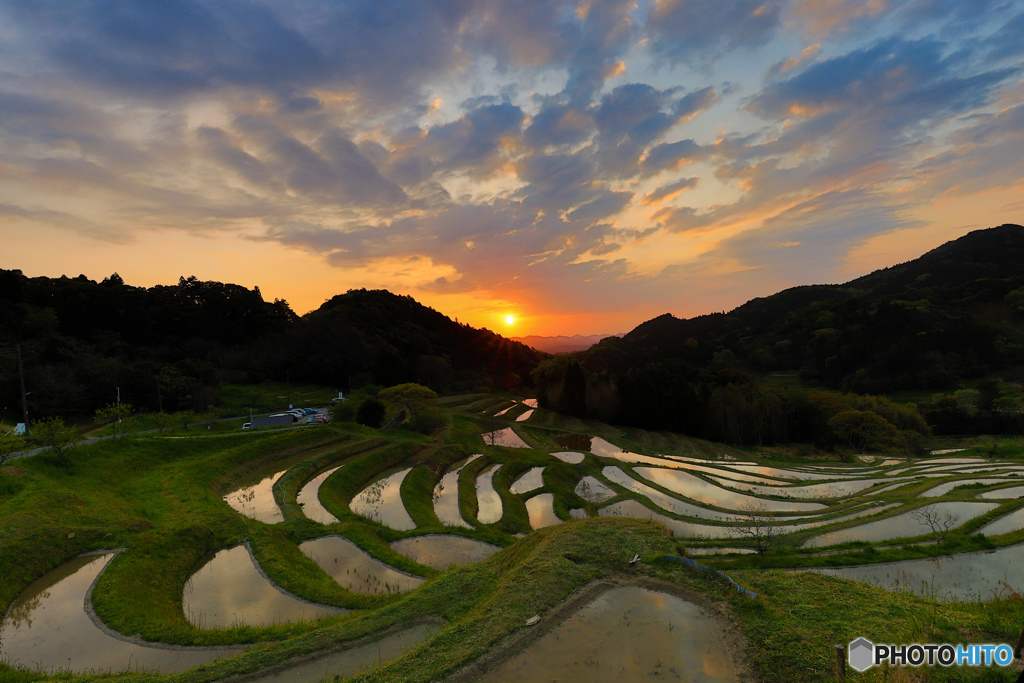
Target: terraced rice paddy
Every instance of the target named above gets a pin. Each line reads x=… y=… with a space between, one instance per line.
x=47 y=627
x=626 y=634
x=381 y=501
x=442 y=551
x=355 y=569
x=229 y=589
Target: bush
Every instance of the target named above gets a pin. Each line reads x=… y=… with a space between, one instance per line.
x=427 y=422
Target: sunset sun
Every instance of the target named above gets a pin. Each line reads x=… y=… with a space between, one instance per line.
x=510 y=319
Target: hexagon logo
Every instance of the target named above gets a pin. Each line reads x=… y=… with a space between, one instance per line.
x=861 y=654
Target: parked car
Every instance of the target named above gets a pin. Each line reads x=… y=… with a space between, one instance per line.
x=309 y=411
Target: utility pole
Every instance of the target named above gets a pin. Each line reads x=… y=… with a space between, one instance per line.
x=24 y=396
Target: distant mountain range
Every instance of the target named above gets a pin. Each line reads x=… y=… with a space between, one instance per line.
x=563 y=344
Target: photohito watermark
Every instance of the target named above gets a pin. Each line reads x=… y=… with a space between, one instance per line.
x=863 y=654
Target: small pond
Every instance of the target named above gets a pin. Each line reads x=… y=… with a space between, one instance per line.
x=506 y=437
x=969 y=576
x=309 y=498
x=47 y=628
x=541 y=509
x=626 y=634
x=904 y=525
x=381 y=501
x=442 y=551
x=228 y=589
x=489 y=508
x=354 y=569
x=695 y=488
x=348 y=663
x=593 y=490
x=532 y=479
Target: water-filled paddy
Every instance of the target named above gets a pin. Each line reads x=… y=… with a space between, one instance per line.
x=832 y=489
x=489 y=508
x=593 y=490
x=532 y=479
x=900 y=526
x=504 y=437
x=541 y=509
x=1004 y=525
x=943 y=489
x=662 y=500
x=356 y=660
x=354 y=569
x=525 y=416
x=446 y=496
x=695 y=488
x=381 y=501
x=1007 y=493
x=228 y=590
x=627 y=633
x=571 y=457
x=309 y=498
x=442 y=551
x=47 y=627
x=959 y=577
x=257 y=501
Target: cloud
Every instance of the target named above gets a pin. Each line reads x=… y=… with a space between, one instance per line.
x=696 y=32
x=669 y=191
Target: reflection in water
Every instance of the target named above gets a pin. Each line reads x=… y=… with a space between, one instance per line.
x=1005 y=524
x=504 y=437
x=488 y=501
x=626 y=634
x=632 y=508
x=720 y=551
x=1008 y=493
x=943 y=489
x=532 y=402
x=571 y=457
x=958 y=577
x=542 y=511
x=356 y=660
x=593 y=490
x=354 y=569
x=257 y=501
x=832 y=489
x=47 y=628
x=533 y=479
x=695 y=488
x=442 y=551
x=499 y=414
x=662 y=500
x=604 y=449
x=228 y=590
x=900 y=525
x=309 y=499
x=525 y=416
x=446 y=497
x=381 y=501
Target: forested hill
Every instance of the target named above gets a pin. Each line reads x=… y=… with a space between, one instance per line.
x=955 y=313
x=80 y=339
